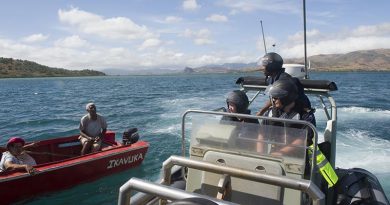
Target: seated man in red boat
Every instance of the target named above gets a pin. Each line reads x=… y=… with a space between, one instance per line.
x=93 y=127
x=16 y=158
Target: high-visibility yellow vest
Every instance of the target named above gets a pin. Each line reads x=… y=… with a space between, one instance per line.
x=326 y=170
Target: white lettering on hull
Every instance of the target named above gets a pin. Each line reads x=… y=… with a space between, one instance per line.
x=124 y=160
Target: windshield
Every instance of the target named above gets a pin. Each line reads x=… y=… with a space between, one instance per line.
x=268 y=139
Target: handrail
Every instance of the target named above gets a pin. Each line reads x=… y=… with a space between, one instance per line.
x=315 y=135
x=160 y=190
x=332 y=159
x=284 y=181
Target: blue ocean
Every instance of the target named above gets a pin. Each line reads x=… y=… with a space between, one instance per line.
x=44 y=108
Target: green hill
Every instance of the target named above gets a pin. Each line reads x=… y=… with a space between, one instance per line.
x=14 y=68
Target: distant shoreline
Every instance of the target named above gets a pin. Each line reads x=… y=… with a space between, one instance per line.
x=81 y=76
x=189 y=74
x=377 y=60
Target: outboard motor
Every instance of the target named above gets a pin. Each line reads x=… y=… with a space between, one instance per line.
x=358 y=187
x=130 y=136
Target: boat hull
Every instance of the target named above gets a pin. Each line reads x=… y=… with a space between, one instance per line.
x=67 y=173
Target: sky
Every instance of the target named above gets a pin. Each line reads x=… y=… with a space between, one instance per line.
x=173 y=34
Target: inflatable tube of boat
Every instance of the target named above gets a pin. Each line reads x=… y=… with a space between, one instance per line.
x=358 y=187
x=310 y=84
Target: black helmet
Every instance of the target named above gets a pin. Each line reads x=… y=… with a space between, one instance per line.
x=272 y=63
x=240 y=99
x=285 y=90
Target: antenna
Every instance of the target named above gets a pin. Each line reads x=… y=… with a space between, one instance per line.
x=262 y=31
x=304 y=37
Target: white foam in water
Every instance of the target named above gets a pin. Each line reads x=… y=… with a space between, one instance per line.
x=170 y=129
x=198 y=101
x=357 y=148
x=368 y=112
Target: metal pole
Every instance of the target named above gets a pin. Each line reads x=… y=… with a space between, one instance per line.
x=304 y=37
x=262 y=31
x=163 y=191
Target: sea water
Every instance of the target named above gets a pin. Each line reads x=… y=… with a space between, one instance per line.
x=44 y=108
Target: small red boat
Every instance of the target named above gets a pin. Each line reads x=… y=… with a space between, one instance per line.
x=60 y=166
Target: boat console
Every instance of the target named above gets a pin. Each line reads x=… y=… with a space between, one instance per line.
x=233 y=161
x=248 y=147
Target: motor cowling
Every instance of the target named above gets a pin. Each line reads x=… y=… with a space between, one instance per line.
x=358 y=187
x=130 y=136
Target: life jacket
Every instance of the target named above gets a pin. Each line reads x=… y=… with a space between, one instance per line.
x=325 y=168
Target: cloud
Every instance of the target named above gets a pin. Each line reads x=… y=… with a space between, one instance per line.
x=201 y=37
x=13 y=49
x=190 y=5
x=344 y=41
x=233 y=12
x=324 y=14
x=278 y=6
x=108 y=28
x=150 y=43
x=139 y=47
x=35 y=38
x=298 y=37
x=173 y=19
x=350 y=44
x=217 y=18
x=219 y=58
x=372 y=30
x=203 y=41
x=71 y=42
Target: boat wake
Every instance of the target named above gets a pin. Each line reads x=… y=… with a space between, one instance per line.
x=358 y=148
x=365 y=110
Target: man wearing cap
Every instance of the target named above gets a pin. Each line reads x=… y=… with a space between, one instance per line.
x=92 y=129
x=16 y=158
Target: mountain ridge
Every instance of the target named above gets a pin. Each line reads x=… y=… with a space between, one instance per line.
x=363 y=60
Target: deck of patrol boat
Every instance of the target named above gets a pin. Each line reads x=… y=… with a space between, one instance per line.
x=225 y=166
